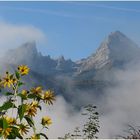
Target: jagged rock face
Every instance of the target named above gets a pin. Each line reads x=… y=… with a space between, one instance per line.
x=95 y=72
x=65 y=65
x=116 y=49
x=28 y=54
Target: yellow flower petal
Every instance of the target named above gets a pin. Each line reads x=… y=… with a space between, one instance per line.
x=23 y=69
x=46 y=121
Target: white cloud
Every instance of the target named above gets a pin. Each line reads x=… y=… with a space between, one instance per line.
x=118 y=107
x=121 y=104
x=13 y=35
x=65 y=118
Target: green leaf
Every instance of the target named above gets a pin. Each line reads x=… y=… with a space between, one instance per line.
x=20 y=84
x=5 y=124
x=32 y=96
x=1 y=122
x=7 y=105
x=21 y=111
x=1 y=134
x=17 y=74
x=29 y=120
x=38 y=136
x=12 y=136
x=15 y=133
x=8 y=93
x=11 y=76
x=42 y=134
x=22 y=96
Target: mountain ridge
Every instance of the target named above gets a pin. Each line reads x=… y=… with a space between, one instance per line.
x=95 y=72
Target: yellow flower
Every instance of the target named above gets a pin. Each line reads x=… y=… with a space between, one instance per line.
x=24 y=92
x=7 y=81
x=36 y=90
x=31 y=110
x=10 y=121
x=23 y=128
x=35 y=137
x=46 y=121
x=48 y=97
x=23 y=69
x=5 y=132
x=14 y=80
x=34 y=104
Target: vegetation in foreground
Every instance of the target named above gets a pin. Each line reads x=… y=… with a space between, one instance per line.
x=18 y=112
x=90 y=128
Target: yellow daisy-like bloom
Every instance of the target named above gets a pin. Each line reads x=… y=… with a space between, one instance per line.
x=34 y=104
x=10 y=121
x=31 y=110
x=14 y=80
x=36 y=90
x=46 y=121
x=48 y=97
x=7 y=81
x=23 y=69
x=24 y=92
x=23 y=128
x=5 y=132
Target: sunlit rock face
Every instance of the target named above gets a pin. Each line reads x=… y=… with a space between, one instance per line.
x=115 y=49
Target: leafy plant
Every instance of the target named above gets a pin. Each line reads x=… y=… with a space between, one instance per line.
x=24 y=106
x=90 y=128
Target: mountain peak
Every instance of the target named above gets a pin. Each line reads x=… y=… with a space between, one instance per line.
x=24 y=53
x=117 y=48
x=116 y=33
x=119 y=44
x=61 y=58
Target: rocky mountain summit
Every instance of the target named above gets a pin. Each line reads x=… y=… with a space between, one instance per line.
x=28 y=54
x=116 y=50
x=93 y=73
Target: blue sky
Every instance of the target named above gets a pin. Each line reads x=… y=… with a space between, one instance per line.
x=74 y=29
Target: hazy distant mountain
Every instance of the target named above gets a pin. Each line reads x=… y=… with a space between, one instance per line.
x=28 y=54
x=94 y=72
